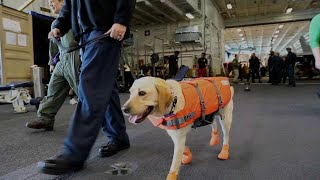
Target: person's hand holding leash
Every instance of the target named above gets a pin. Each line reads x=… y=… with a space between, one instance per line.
x=51 y=68
x=54 y=33
x=117 y=31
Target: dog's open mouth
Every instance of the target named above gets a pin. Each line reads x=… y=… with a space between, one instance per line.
x=139 y=118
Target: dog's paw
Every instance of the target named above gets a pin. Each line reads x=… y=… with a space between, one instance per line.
x=172 y=176
x=187 y=156
x=224 y=154
x=214 y=138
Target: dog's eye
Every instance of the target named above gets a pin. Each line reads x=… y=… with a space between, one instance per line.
x=142 y=93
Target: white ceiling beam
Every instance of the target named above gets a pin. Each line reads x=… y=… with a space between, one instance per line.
x=194 y=5
x=172 y=6
x=282 y=38
x=148 y=14
x=147 y=3
x=285 y=8
x=293 y=37
x=25 y=5
x=261 y=44
x=271 y=19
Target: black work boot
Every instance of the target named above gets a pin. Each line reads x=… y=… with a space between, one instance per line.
x=38 y=124
x=59 y=166
x=112 y=148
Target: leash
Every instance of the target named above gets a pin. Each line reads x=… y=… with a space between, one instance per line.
x=125 y=60
x=71 y=49
x=102 y=36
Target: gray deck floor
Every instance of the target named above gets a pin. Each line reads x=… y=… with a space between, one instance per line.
x=275 y=135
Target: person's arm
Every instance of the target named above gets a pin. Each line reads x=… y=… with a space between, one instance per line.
x=53 y=50
x=316 y=54
x=314 y=33
x=63 y=22
x=124 y=12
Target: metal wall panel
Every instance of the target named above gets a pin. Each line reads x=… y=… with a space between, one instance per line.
x=16 y=45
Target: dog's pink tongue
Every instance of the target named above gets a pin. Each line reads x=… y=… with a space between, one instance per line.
x=133 y=119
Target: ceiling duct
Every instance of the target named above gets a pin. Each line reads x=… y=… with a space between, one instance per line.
x=188 y=34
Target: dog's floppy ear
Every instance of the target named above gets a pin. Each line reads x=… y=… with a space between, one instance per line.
x=164 y=95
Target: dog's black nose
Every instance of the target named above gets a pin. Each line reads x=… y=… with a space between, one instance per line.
x=126 y=110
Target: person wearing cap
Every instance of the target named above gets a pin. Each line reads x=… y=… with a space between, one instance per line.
x=275 y=66
x=269 y=66
x=254 y=66
x=290 y=62
x=202 y=65
x=314 y=36
x=235 y=69
x=65 y=75
x=99 y=101
x=173 y=64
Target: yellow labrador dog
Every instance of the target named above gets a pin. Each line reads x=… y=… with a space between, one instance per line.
x=154 y=98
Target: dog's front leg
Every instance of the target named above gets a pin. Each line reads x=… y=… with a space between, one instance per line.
x=179 y=140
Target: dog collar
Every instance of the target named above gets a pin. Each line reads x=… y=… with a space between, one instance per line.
x=174 y=103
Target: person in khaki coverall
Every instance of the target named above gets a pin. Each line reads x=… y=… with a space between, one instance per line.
x=64 y=75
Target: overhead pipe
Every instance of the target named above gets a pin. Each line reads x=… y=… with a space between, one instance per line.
x=172 y=6
x=147 y=3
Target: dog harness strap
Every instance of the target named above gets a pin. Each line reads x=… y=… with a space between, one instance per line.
x=178 y=121
x=203 y=107
x=173 y=105
x=218 y=93
x=219 y=99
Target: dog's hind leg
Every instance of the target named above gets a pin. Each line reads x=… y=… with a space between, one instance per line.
x=226 y=125
x=214 y=134
x=179 y=139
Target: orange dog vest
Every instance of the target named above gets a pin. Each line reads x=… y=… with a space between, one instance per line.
x=203 y=96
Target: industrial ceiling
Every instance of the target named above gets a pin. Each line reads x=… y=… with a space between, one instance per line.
x=251 y=25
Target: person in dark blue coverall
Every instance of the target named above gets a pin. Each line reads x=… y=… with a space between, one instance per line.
x=290 y=63
x=99 y=102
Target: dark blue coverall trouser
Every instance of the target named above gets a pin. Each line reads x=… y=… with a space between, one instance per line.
x=99 y=102
x=291 y=75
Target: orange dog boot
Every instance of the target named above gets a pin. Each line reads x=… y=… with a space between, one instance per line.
x=214 y=138
x=224 y=154
x=172 y=176
x=187 y=156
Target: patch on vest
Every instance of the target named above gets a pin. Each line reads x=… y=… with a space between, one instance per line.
x=225 y=82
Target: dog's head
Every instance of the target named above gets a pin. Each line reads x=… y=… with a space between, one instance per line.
x=148 y=95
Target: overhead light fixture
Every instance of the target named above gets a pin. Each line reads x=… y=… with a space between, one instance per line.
x=280 y=26
x=238 y=29
x=289 y=10
x=189 y=15
x=229 y=6
x=277 y=31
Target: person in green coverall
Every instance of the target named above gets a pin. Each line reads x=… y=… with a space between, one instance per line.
x=314 y=33
x=64 y=75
